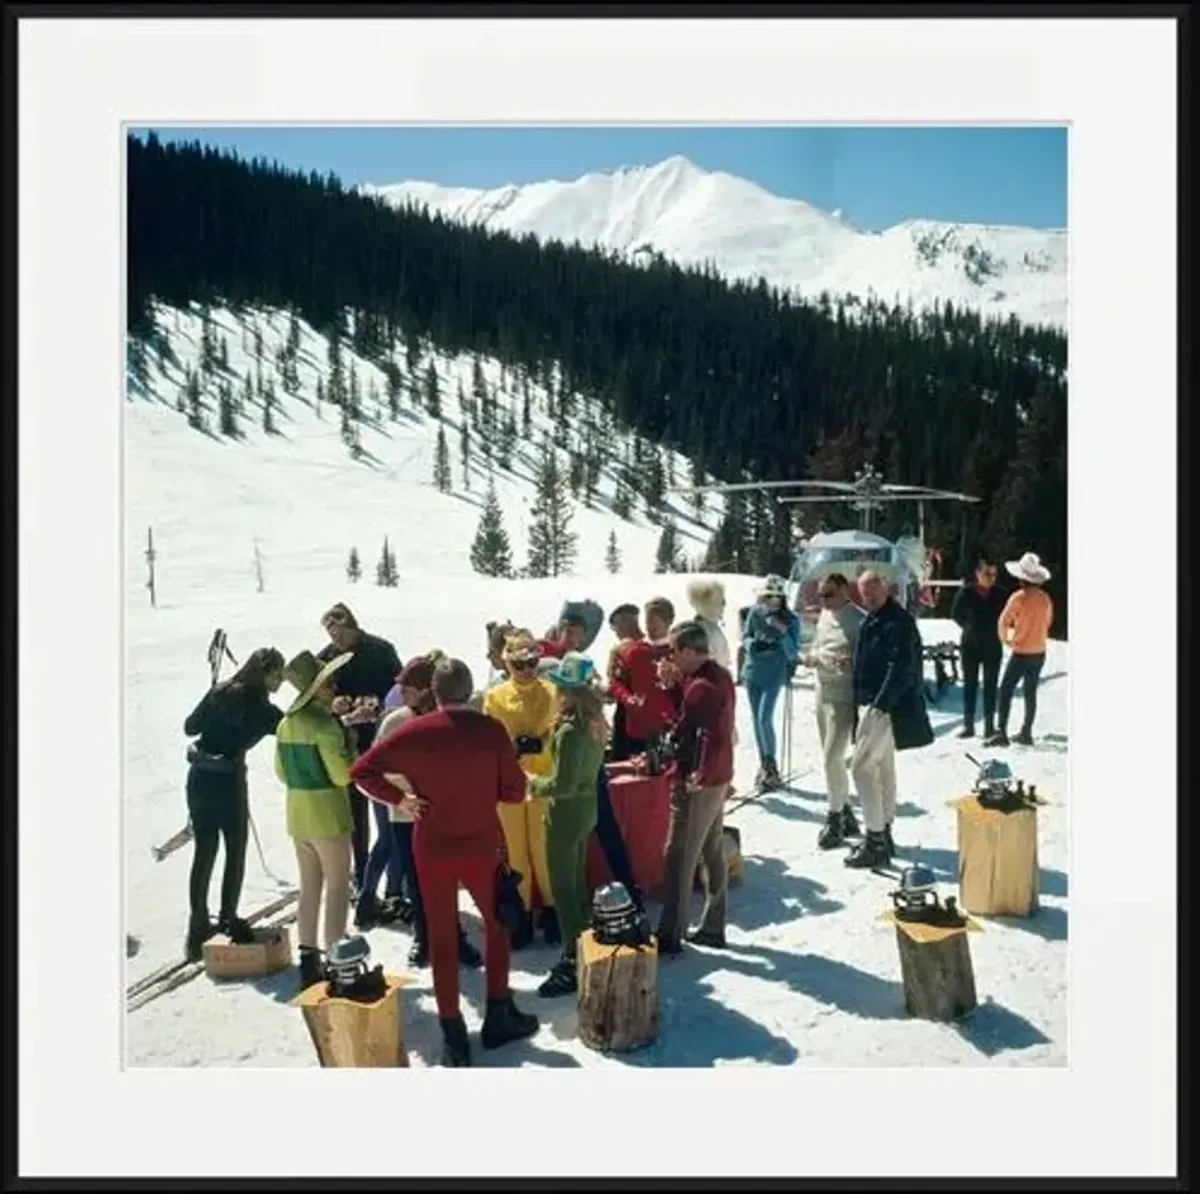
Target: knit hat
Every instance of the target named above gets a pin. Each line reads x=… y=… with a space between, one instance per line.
x=418 y=672
x=1029 y=569
x=307 y=675
x=573 y=670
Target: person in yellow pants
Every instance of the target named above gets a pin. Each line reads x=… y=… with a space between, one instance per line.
x=525 y=705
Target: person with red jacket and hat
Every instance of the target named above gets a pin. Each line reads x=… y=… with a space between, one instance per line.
x=452 y=769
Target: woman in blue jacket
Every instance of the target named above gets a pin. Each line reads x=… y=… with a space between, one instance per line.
x=771 y=640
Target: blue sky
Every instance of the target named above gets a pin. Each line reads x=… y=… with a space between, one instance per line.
x=877 y=176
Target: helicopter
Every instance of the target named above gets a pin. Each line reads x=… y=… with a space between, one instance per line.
x=907 y=564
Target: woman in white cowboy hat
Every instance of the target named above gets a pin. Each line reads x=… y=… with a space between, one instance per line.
x=313 y=757
x=570 y=791
x=1024 y=627
x=771 y=637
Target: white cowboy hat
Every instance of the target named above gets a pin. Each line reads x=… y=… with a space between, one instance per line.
x=1029 y=568
x=306 y=675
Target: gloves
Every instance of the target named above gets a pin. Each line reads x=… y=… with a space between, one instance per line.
x=527 y=744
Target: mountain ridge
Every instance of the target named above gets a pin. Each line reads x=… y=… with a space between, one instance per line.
x=700 y=217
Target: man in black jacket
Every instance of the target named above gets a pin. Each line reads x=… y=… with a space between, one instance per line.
x=360 y=687
x=976 y=609
x=888 y=681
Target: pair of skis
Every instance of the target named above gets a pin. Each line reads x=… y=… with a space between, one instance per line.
x=174 y=974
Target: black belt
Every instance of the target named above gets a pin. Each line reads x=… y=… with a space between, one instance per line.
x=203 y=761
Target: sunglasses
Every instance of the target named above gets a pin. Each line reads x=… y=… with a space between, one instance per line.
x=522 y=665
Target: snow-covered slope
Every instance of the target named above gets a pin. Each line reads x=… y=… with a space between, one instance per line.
x=696 y=216
x=299 y=495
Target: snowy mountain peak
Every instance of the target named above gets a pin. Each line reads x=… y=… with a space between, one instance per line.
x=696 y=216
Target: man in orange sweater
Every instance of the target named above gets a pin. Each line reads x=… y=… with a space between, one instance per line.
x=1024 y=626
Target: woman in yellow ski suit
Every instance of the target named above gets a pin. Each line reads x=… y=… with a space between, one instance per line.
x=525 y=704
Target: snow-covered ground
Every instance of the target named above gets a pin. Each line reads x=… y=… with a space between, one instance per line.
x=697 y=216
x=811 y=977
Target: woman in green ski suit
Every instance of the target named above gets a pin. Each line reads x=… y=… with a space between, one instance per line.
x=576 y=756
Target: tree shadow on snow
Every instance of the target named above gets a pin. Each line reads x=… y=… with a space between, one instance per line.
x=992 y=1028
x=945 y=863
x=772 y=895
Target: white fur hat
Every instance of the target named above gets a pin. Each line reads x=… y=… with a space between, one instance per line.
x=1029 y=568
x=773 y=586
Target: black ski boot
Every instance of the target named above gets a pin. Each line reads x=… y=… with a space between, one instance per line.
x=833 y=833
x=1024 y=738
x=888 y=842
x=998 y=739
x=562 y=979
x=418 y=956
x=850 y=823
x=200 y=929
x=366 y=915
x=870 y=852
x=523 y=937
x=771 y=779
x=236 y=929
x=504 y=1022
x=966 y=732
x=711 y=940
x=312 y=967
x=548 y=924
x=456 y=1050
x=468 y=955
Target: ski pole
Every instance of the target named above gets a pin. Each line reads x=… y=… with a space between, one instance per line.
x=261 y=856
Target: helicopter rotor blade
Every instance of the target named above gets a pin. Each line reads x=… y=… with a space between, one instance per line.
x=744 y=486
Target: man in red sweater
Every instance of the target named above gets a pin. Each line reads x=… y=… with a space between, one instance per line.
x=703 y=750
x=450 y=769
x=643 y=709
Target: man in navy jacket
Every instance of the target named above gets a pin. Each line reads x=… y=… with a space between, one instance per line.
x=888 y=681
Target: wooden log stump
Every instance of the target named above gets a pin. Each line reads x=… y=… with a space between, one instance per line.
x=270 y=952
x=346 y=1033
x=935 y=968
x=997 y=859
x=617 y=1004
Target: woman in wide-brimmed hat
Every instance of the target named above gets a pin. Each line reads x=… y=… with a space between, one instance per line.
x=1024 y=627
x=569 y=789
x=524 y=705
x=313 y=757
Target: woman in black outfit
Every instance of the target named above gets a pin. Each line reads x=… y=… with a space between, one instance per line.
x=232 y=718
x=977 y=609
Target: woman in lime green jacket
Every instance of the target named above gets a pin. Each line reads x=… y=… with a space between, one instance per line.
x=313 y=757
x=569 y=788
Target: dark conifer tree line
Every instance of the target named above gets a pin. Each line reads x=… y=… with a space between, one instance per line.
x=746 y=381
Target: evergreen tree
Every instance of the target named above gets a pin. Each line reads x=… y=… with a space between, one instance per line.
x=385 y=571
x=208 y=345
x=441 y=465
x=223 y=354
x=433 y=397
x=612 y=554
x=464 y=447
x=506 y=441
x=622 y=497
x=552 y=543
x=527 y=412
x=258 y=343
x=412 y=352
x=247 y=397
x=353 y=567
x=576 y=474
x=268 y=409
x=293 y=335
x=491 y=553
x=228 y=416
x=320 y=395
x=195 y=405
x=394 y=384
x=668 y=557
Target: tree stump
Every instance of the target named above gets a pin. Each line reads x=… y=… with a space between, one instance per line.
x=997 y=860
x=346 y=1033
x=270 y=952
x=617 y=1005
x=935 y=968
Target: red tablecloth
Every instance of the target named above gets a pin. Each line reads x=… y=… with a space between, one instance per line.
x=641 y=804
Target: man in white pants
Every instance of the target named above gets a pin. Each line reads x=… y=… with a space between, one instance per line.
x=887 y=683
x=830 y=656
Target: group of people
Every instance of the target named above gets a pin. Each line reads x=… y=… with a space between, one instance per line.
x=468 y=783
